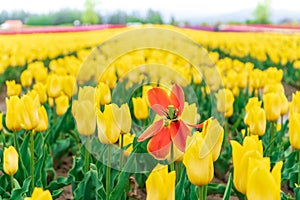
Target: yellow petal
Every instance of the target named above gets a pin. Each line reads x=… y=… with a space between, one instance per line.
x=10 y=160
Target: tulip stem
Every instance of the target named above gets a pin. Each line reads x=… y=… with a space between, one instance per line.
x=32 y=158
x=172 y=167
x=12 y=182
x=108 y=172
x=202 y=192
x=272 y=135
x=16 y=141
x=86 y=155
x=299 y=167
x=121 y=146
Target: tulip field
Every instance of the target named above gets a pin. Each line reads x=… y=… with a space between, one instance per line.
x=150 y=112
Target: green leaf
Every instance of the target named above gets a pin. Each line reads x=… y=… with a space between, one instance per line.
x=20 y=193
x=179 y=189
x=60 y=146
x=59 y=183
x=227 y=193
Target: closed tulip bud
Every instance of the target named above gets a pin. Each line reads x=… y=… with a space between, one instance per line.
x=85 y=117
x=284 y=104
x=257 y=79
x=41 y=90
x=54 y=86
x=256 y=120
x=43 y=119
x=103 y=95
x=274 y=75
x=13 y=89
x=108 y=129
x=160 y=178
x=251 y=103
x=263 y=184
x=29 y=112
x=41 y=75
x=272 y=106
x=295 y=103
x=242 y=80
x=69 y=85
x=39 y=194
x=294 y=130
x=140 y=108
x=13 y=118
x=10 y=160
x=225 y=101
x=86 y=93
x=273 y=87
x=51 y=102
x=26 y=78
x=62 y=104
x=124 y=118
x=251 y=148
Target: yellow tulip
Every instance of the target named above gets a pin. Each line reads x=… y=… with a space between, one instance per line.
x=257 y=79
x=86 y=93
x=1 y=125
x=225 y=101
x=124 y=118
x=127 y=140
x=13 y=118
x=13 y=89
x=108 y=129
x=272 y=106
x=160 y=184
x=10 y=160
x=54 y=86
x=263 y=184
x=69 y=85
x=26 y=78
x=62 y=104
x=202 y=150
x=102 y=94
x=190 y=114
x=43 y=119
x=274 y=75
x=284 y=105
x=51 y=102
x=295 y=103
x=140 y=108
x=29 y=112
x=256 y=120
x=41 y=90
x=251 y=103
x=252 y=147
x=145 y=89
x=40 y=194
x=294 y=130
x=273 y=87
x=242 y=80
x=85 y=117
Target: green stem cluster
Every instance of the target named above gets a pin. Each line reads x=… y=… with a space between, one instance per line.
x=202 y=192
x=108 y=173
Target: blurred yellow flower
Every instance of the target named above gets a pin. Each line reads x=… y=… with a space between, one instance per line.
x=13 y=118
x=103 y=95
x=54 y=86
x=10 y=160
x=140 y=108
x=26 y=78
x=85 y=117
x=294 y=130
x=39 y=194
x=13 y=89
x=225 y=101
x=272 y=106
x=62 y=104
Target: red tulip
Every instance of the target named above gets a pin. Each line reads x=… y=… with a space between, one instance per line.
x=171 y=128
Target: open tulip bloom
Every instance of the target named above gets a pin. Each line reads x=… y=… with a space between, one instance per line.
x=170 y=128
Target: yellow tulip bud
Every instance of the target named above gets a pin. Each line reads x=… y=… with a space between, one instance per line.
x=140 y=108
x=251 y=103
x=108 y=129
x=43 y=119
x=69 y=85
x=242 y=80
x=193 y=162
x=54 y=86
x=294 y=130
x=295 y=103
x=29 y=112
x=284 y=104
x=252 y=147
x=41 y=90
x=41 y=75
x=257 y=79
x=160 y=178
x=273 y=87
x=51 y=102
x=103 y=95
x=263 y=184
x=13 y=89
x=85 y=117
x=10 y=160
x=13 y=118
x=39 y=193
x=124 y=119
x=62 y=104
x=26 y=78
x=225 y=101
x=274 y=75
x=272 y=106
x=256 y=120
x=86 y=93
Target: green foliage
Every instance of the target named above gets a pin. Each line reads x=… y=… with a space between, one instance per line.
x=262 y=12
x=89 y=16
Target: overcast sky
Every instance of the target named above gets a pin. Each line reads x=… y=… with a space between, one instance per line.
x=178 y=8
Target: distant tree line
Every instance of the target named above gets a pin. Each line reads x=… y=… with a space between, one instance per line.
x=88 y=16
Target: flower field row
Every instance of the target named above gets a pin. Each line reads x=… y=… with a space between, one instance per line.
x=159 y=121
